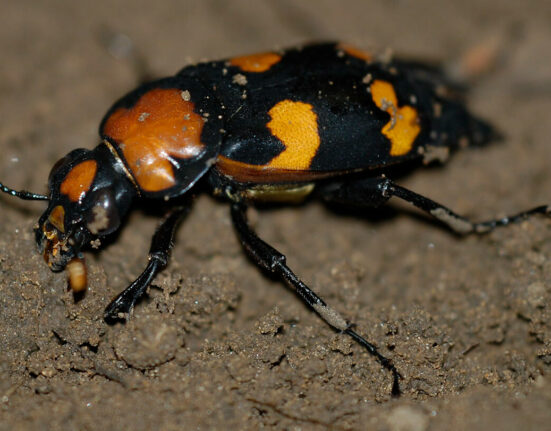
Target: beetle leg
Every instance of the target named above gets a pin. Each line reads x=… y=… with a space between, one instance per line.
x=272 y=260
x=375 y=191
x=457 y=223
x=159 y=253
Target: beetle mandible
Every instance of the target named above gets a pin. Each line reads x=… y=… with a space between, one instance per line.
x=323 y=119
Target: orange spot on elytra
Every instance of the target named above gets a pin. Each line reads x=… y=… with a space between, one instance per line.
x=256 y=62
x=355 y=52
x=79 y=179
x=160 y=126
x=57 y=218
x=403 y=127
x=295 y=124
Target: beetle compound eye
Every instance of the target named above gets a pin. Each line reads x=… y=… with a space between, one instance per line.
x=103 y=218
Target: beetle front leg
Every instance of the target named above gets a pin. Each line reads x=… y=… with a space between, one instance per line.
x=159 y=253
x=272 y=260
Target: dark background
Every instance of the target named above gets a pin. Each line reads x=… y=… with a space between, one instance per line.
x=219 y=345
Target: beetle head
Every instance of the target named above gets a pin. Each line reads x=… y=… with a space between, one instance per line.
x=88 y=197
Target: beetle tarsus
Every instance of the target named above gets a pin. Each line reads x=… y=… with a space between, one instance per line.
x=123 y=304
x=159 y=254
x=383 y=360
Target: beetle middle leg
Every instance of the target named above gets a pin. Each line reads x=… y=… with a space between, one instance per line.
x=159 y=253
x=272 y=260
x=374 y=191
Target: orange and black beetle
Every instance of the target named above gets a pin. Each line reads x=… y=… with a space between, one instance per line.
x=325 y=119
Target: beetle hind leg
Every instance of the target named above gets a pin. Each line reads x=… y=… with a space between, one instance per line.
x=373 y=192
x=457 y=223
x=267 y=257
x=159 y=254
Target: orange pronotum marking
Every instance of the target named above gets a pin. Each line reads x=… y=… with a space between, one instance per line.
x=295 y=124
x=79 y=179
x=256 y=62
x=161 y=125
x=355 y=52
x=403 y=127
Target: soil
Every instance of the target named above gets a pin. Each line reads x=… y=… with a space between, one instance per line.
x=218 y=344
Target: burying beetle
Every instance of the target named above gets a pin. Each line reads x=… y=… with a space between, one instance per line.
x=277 y=126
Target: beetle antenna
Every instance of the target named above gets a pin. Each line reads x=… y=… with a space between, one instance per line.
x=23 y=194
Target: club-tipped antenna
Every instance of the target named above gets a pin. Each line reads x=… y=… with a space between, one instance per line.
x=23 y=194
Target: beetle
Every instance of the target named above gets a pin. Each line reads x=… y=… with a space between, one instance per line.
x=326 y=120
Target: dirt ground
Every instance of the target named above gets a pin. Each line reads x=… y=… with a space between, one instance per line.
x=217 y=344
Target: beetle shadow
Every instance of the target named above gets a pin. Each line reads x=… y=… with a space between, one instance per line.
x=387 y=213
x=77 y=296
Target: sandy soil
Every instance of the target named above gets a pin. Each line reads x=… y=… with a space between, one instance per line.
x=218 y=345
